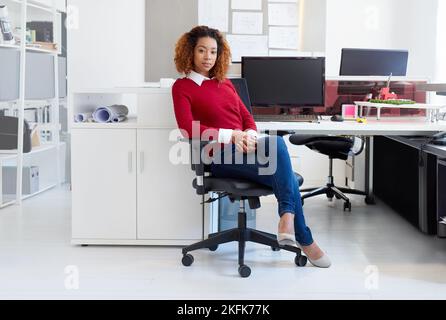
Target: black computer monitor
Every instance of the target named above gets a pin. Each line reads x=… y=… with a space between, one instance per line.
x=285 y=81
x=373 y=62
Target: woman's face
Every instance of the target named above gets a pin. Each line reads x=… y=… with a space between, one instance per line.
x=205 y=55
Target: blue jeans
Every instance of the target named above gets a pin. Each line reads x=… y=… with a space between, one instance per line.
x=271 y=150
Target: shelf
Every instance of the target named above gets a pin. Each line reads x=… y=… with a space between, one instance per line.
x=26 y=196
x=10 y=198
x=29 y=49
x=7 y=203
x=33 y=49
x=9 y=46
x=11 y=154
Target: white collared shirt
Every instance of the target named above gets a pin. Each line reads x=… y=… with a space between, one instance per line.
x=196 y=77
x=224 y=135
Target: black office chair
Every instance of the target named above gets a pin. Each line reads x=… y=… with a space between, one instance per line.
x=237 y=190
x=240 y=190
x=241 y=86
x=334 y=147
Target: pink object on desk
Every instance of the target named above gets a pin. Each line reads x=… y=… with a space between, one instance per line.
x=349 y=111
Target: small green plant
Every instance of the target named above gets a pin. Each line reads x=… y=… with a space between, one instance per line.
x=395 y=102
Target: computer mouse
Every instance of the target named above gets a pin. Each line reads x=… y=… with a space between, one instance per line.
x=337 y=118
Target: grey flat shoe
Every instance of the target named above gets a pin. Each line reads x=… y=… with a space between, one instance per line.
x=322 y=262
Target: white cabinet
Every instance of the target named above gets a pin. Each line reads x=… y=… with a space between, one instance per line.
x=126 y=191
x=104 y=184
x=168 y=207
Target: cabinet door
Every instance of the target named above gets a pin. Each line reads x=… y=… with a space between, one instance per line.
x=104 y=183
x=168 y=207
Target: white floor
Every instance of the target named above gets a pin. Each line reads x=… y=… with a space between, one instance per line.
x=375 y=254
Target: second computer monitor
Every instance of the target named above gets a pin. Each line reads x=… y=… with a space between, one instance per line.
x=373 y=62
x=285 y=81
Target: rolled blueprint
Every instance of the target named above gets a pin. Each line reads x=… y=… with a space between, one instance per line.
x=117 y=119
x=83 y=117
x=114 y=113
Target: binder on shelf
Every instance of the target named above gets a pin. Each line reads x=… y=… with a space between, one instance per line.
x=9 y=127
x=30 y=180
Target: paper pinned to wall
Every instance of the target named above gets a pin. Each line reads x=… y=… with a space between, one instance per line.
x=214 y=14
x=284 y=37
x=247 y=23
x=246 y=4
x=247 y=46
x=283 y=14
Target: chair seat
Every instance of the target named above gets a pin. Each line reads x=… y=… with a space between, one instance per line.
x=333 y=146
x=239 y=187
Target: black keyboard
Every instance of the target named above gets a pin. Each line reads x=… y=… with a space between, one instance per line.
x=286 y=118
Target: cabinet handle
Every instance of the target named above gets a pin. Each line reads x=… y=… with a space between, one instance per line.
x=141 y=155
x=130 y=162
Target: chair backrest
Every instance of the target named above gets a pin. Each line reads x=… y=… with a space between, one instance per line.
x=241 y=86
x=197 y=147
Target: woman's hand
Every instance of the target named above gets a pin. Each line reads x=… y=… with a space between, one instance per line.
x=244 y=142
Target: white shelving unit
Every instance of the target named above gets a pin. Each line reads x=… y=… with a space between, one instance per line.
x=50 y=155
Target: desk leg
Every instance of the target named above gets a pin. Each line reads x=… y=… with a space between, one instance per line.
x=370 y=199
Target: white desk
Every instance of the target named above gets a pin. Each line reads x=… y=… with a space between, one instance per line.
x=373 y=127
x=383 y=127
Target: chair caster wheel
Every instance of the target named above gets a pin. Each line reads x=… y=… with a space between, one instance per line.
x=348 y=206
x=370 y=200
x=213 y=248
x=275 y=249
x=301 y=261
x=244 y=271
x=187 y=260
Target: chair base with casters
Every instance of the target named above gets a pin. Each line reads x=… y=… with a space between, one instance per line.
x=335 y=148
x=332 y=191
x=242 y=235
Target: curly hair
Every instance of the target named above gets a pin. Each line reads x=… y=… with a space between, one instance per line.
x=184 y=52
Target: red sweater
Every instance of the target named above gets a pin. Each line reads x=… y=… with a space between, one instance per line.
x=216 y=105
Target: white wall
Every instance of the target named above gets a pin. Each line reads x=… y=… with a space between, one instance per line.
x=384 y=24
x=107 y=49
x=313 y=25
